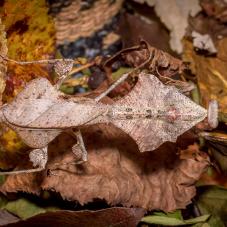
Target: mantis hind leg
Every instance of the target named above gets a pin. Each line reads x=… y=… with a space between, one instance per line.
x=38 y=157
x=79 y=148
x=114 y=85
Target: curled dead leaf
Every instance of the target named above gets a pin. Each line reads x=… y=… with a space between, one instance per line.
x=3 y=66
x=117 y=216
x=210 y=72
x=146 y=56
x=215 y=8
x=116 y=172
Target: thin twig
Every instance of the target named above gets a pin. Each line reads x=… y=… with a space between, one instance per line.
x=114 y=85
x=76 y=70
x=22 y=171
x=45 y=61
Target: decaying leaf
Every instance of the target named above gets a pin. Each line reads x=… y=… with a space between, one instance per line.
x=215 y=8
x=3 y=66
x=116 y=172
x=146 y=56
x=11 y=148
x=193 y=152
x=210 y=72
x=116 y=216
x=151 y=113
x=133 y=27
x=30 y=36
x=24 y=208
x=174 y=14
x=218 y=148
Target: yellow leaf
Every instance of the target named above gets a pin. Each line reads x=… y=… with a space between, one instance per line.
x=211 y=73
x=30 y=36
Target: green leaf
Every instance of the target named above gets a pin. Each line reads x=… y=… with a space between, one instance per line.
x=199 y=219
x=160 y=220
x=116 y=75
x=213 y=200
x=24 y=209
x=170 y=221
x=175 y=214
x=202 y=225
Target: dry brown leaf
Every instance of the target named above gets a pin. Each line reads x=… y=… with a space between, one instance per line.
x=116 y=172
x=117 y=216
x=193 y=152
x=133 y=27
x=210 y=72
x=3 y=66
x=146 y=56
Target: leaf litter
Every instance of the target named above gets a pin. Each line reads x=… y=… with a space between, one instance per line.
x=163 y=179
x=146 y=85
x=124 y=176
x=116 y=216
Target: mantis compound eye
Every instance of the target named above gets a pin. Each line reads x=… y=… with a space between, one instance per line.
x=212 y=113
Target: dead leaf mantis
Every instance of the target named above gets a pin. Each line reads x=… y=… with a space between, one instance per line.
x=152 y=113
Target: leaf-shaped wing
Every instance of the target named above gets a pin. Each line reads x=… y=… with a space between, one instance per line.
x=40 y=106
x=165 y=113
x=37 y=89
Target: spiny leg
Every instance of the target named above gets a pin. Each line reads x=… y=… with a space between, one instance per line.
x=62 y=69
x=65 y=69
x=79 y=148
x=114 y=85
x=38 y=157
